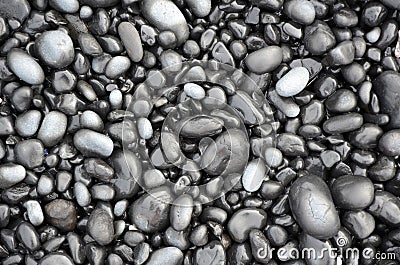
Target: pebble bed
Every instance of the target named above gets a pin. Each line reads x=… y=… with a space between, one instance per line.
x=199 y=132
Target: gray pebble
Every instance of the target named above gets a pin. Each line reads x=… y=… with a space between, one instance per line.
x=70 y=6
x=11 y=174
x=165 y=15
x=82 y=194
x=389 y=143
x=117 y=66
x=56 y=258
x=199 y=8
x=212 y=253
x=131 y=41
x=343 y=123
x=386 y=207
x=145 y=128
x=91 y=120
x=89 y=45
x=342 y=54
x=201 y=126
x=35 y=213
x=63 y=81
x=55 y=48
x=45 y=185
x=353 y=192
x=293 y=82
x=199 y=235
x=244 y=220
x=91 y=143
x=291 y=144
x=53 y=128
x=30 y=153
x=301 y=11
x=313 y=208
x=150 y=213
x=102 y=192
x=273 y=157
x=15 y=10
x=28 y=236
x=98 y=168
x=254 y=175
x=319 y=38
x=62 y=214
x=153 y=178
x=181 y=212
x=258 y=242
x=167 y=255
x=25 y=67
x=264 y=60
x=100 y=226
x=359 y=223
x=194 y=91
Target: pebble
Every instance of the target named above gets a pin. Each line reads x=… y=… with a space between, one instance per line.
x=181 y=212
x=201 y=126
x=301 y=11
x=386 y=87
x=342 y=54
x=254 y=175
x=212 y=253
x=293 y=82
x=30 y=153
x=117 y=66
x=343 y=123
x=343 y=100
x=264 y=60
x=150 y=213
x=131 y=40
x=145 y=128
x=71 y=6
x=243 y=221
x=389 y=143
x=55 y=49
x=56 y=258
x=319 y=38
x=199 y=8
x=194 y=91
x=291 y=144
x=165 y=15
x=82 y=194
x=11 y=174
x=391 y=4
x=91 y=120
x=386 y=207
x=312 y=207
x=166 y=255
x=100 y=226
x=53 y=128
x=15 y=10
x=91 y=143
x=35 y=213
x=62 y=214
x=359 y=223
x=25 y=67
x=353 y=192
x=28 y=236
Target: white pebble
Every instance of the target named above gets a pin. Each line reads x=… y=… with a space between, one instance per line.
x=194 y=91
x=144 y=128
x=293 y=82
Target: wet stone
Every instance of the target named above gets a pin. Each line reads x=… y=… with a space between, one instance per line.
x=359 y=223
x=167 y=255
x=264 y=60
x=62 y=214
x=91 y=143
x=242 y=221
x=343 y=123
x=131 y=40
x=312 y=207
x=18 y=10
x=212 y=253
x=254 y=175
x=25 y=67
x=100 y=226
x=11 y=174
x=55 y=48
x=56 y=258
x=53 y=128
x=293 y=82
x=30 y=153
x=201 y=126
x=28 y=236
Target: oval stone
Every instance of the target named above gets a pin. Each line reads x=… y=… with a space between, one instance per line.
x=25 y=67
x=264 y=60
x=293 y=82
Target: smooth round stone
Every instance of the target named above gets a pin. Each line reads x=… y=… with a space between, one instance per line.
x=29 y=153
x=167 y=39
x=254 y=175
x=194 y=91
x=167 y=255
x=291 y=144
x=386 y=207
x=354 y=74
x=293 y=82
x=343 y=100
x=102 y=192
x=28 y=236
x=55 y=48
x=201 y=126
x=117 y=66
x=319 y=38
x=91 y=120
x=359 y=223
x=53 y=128
x=35 y=213
x=100 y=3
x=273 y=157
x=82 y=194
x=264 y=60
x=131 y=41
x=389 y=143
x=25 y=67
x=391 y=4
x=181 y=212
x=244 y=220
x=301 y=11
x=63 y=81
x=386 y=88
x=200 y=8
x=56 y=258
x=320 y=250
x=343 y=123
x=11 y=174
x=62 y=214
x=21 y=98
x=353 y=192
x=69 y=6
x=312 y=207
x=145 y=128
x=93 y=144
x=165 y=15
x=212 y=253
x=150 y=213
x=100 y=226
x=342 y=54
x=239 y=254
